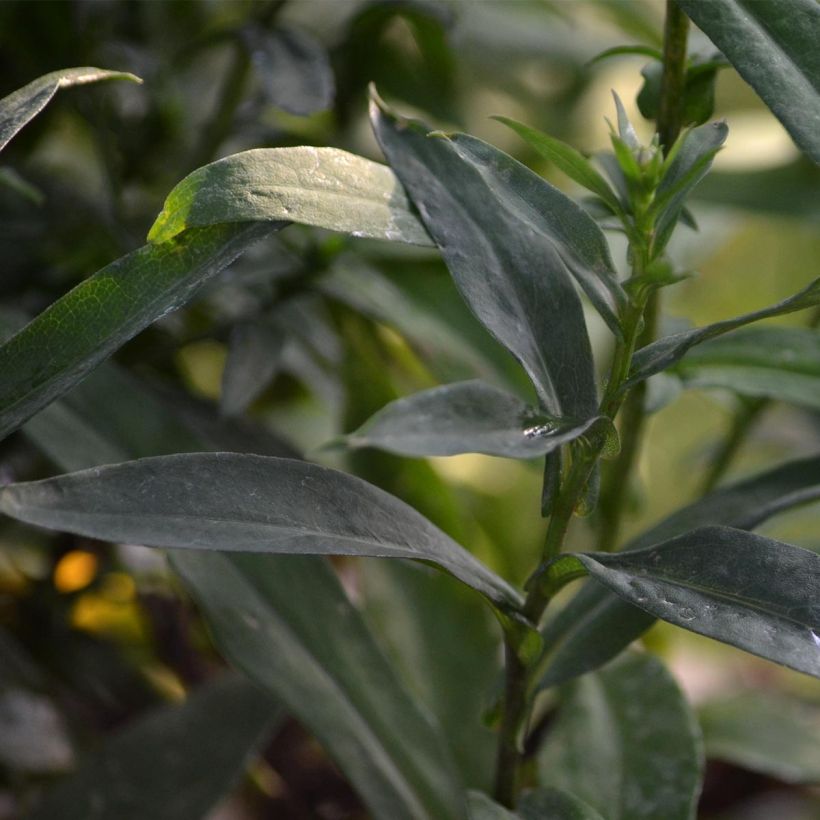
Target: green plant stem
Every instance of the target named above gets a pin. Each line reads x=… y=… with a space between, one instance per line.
x=673 y=79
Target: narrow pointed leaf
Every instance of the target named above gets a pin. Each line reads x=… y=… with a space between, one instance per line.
x=288 y=625
x=743 y=589
x=324 y=187
x=466 y=417
x=227 y=501
x=773 y=45
x=597 y=624
x=781 y=363
x=626 y=130
x=174 y=763
x=668 y=350
x=626 y=743
x=574 y=164
x=21 y=106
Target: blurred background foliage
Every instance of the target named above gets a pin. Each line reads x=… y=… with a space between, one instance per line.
x=305 y=337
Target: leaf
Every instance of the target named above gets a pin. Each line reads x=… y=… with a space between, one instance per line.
x=567 y=159
x=21 y=106
x=781 y=363
x=764 y=732
x=554 y=804
x=626 y=743
x=324 y=187
x=64 y=343
x=289 y=626
x=617 y=51
x=669 y=350
x=483 y=808
x=742 y=589
x=626 y=130
x=466 y=417
x=154 y=767
x=597 y=624
x=773 y=45
x=232 y=502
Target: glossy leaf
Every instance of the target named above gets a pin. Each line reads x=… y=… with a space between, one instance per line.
x=227 y=501
x=567 y=159
x=21 y=106
x=324 y=187
x=780 y=363
x=597 y=624
x=765 y=732
x=466 y=417
x=743 y=589
x=626 y=743
x=554 y=804
x=173 y=763
x=669 y=350
x=773 y=45
x=288 y=625
x=70 y=338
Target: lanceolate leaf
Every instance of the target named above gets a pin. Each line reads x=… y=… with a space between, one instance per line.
x=324 y=187
x=743 y=589
x=64 y=343
x=226 y=501
x=781 y=363
x=670 y=349
x=773 y=44
x=597 y=624
x=175 y=763
x=23 y=105
x=626 y=743
x=289 y=626
x=466 y=417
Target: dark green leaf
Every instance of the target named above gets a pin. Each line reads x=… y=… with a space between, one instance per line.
x=773 y=44
x=743 y=589
x=669 y=350
x=324 y=187
x=781 y=363
x=288 y=625
x=466 y=417
x=626 y=743
x=617 y=51
x=23 y=105
x=554 y=804
x=567 y=159
x=597 y=624
x=765 y=732
x=226 y=501
x=175 y=763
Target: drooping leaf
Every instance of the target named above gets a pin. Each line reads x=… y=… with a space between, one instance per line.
x=21 y=106
x=626 y=743
x=742 y=589
x=227 y=501
x=288 y=625
x=174 y=763
x=324 y=187
x=773 y=45
x=781 y=363
x=554 y=804
x=466 y=417
x=668 y=350
x=764 y=732
x=597 y=624
x=63 y=344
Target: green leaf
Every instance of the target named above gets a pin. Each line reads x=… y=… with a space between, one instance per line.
x=765 y=732
x=597 y=624
x=64 y=343
x=626 y=131
x=669 y=350
x=742 y=589
x=227 y=501
x=288 y=625
x=781 y=363
x=466 y=417
x=554 y=804
x=773 y=45
x=484 y=808
x=626 y=743
x=574 y=164
x=324 y=187
x=174 y=763
x=21 y=106
x=617 y=51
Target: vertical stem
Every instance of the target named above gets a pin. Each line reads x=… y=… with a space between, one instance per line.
x=673 y=80
x=508 y=756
